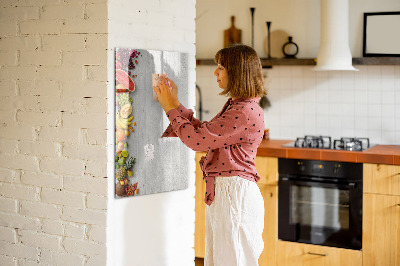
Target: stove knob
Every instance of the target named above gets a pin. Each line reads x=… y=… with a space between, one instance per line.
x=336 y=169
x=301 y=166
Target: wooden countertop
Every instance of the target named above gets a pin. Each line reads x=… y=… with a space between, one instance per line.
x=379 y=154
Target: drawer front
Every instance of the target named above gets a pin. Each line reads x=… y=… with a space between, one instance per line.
x=293 y=254
x=381 y=179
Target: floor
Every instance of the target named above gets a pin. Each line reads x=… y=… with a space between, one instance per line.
x=199 y=262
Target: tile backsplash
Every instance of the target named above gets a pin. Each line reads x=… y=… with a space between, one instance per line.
x=365 y=103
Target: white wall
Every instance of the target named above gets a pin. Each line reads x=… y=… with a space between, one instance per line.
x=155 y=229
x=338 y=104
x=299 y=18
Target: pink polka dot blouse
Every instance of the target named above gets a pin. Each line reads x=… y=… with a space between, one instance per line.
x=231 y=139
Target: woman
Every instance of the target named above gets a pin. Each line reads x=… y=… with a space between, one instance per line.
x=235 y=207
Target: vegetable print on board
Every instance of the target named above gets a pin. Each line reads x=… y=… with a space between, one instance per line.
x=145 y=163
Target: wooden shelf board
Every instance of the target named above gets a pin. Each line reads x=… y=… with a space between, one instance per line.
x=376 y=61
x=265 y=62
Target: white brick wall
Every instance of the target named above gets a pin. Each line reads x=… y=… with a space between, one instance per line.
x=53 y=107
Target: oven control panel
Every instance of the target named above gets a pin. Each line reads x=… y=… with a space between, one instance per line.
x=330 y=169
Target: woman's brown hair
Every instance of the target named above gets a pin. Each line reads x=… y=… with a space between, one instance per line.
x=245 y=78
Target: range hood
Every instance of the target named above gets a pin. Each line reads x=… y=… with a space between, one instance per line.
x=334 y=51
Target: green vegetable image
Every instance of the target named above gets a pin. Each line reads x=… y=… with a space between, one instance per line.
x=125 y=153
x=121 y=161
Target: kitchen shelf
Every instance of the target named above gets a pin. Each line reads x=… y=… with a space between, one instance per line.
x=312 y=61
x=376 y=61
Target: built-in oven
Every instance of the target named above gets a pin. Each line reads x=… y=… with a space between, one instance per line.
x=320 y=202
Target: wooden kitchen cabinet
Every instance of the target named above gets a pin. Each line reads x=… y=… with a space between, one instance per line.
x=270 y=233
x=200 y=207
x=381 y=215
x=298 y=254
x=267 y=168
x=381 y=230
x=381 y=179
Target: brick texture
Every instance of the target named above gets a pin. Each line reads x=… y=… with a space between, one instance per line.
x=8 y=205
x=7 y=260
x=53 y=107
x=7 y=175
x=19 y=250
x=19 y=221
x=84 y=247
x=34 y=239
x=97 y=234
x=87 y=216
x=41 y=179
x=8 y=234
x=53 y=227
x=37 y=209
x=75 y=230
x=63 y=197
x=86 y=183
x=61 y=258
x=62 y=166
x=17 y=191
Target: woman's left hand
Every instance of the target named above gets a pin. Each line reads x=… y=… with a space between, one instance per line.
x=163 y=92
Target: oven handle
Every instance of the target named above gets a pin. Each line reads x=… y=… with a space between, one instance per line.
x=297 y=181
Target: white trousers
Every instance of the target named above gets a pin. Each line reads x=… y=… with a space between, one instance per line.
x=234 y=223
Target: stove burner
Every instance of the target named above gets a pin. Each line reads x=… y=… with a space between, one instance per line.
x=324 y=142
x=351 y=144
x=308 y=141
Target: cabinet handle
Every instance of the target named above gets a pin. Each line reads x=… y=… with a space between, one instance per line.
x=398 y=204
x=318 y=254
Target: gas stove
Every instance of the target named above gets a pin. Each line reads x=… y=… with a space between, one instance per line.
x=325 y=142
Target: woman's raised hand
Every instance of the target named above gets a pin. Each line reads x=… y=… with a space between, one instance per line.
x=164 y=94
x=174 y=89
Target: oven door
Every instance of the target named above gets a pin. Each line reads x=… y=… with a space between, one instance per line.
x=321 y=212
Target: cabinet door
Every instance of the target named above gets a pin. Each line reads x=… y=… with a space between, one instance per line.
x=270 y=233
x=200 y=207
x=297 y=254
x=381 y=230
x=381 y=179
x=267 y=168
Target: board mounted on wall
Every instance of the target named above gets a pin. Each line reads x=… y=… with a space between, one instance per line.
x=145 y=163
